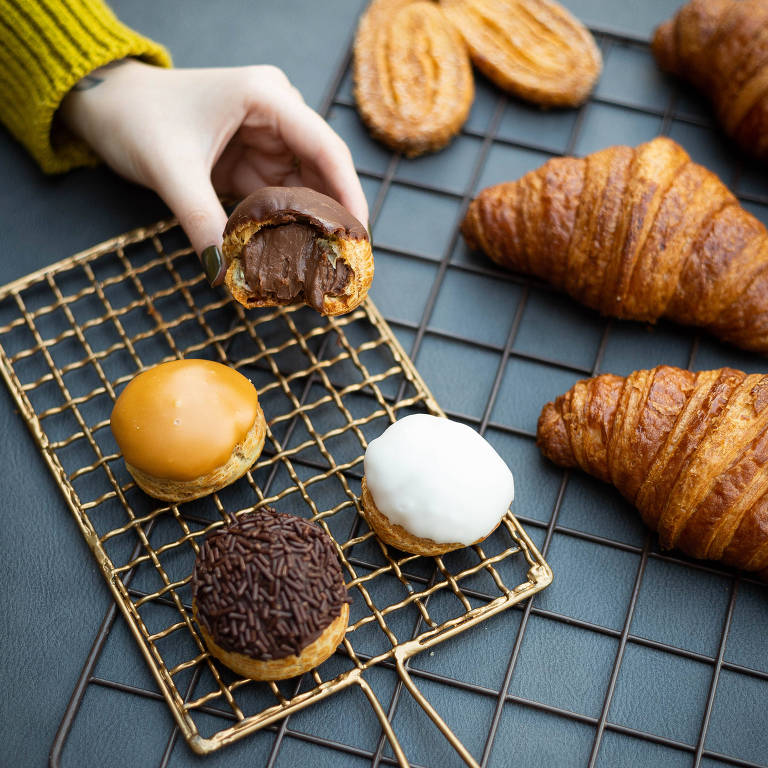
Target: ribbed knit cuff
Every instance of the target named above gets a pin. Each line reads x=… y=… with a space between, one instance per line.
x=46 y=46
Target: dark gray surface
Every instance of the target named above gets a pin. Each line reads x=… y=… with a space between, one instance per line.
x=52 y=598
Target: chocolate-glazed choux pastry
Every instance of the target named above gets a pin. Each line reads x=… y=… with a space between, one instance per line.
x=187 y=428
x=289 y=244
x=269 y=596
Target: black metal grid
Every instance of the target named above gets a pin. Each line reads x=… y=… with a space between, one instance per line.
x=601 y=724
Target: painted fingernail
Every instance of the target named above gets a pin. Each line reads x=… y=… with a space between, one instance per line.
x=211 y=260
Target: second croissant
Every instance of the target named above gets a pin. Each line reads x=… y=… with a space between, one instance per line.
x=689 y=450
x=639 y=233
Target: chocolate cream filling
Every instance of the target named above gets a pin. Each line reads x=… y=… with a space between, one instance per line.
x=291 y=262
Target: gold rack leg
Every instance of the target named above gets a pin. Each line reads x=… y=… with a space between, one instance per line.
x=385 y=724
x=436 y=719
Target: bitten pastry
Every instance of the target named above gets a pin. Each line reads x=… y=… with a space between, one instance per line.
x=269 y=596
x=187 y=428
x=689 y=450
x=288 y=244
x=413 y=77
x=635 y=233
x=535 y=49
x=432 y=485
x=721 y=46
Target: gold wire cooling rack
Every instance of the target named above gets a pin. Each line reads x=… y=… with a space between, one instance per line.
x=73 y=334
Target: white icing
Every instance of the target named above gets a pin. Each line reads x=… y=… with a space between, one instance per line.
x=438 y=479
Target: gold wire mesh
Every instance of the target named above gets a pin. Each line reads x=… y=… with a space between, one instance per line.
x=327 y=386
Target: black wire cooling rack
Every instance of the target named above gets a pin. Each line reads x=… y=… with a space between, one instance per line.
x=452 y=181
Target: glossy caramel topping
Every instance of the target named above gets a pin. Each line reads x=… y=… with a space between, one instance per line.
x=182 y=419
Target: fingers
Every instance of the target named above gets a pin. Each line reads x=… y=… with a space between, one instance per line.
x=319 y=147
x=191 y=197
x=315 y=144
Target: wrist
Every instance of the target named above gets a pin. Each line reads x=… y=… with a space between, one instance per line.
x=87 y=99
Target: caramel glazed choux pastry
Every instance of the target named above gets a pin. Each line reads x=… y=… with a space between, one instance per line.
x=289 y=244
x=432 y=485
x=187 y=428
x=269 y=596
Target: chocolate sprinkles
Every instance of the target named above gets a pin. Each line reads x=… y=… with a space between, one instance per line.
x=268 y=585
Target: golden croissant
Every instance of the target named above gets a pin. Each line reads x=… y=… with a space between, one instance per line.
x=689 y=450
x=721 y=46
x=635 y=233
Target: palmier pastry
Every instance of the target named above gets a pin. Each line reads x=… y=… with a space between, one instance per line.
x=413 y=77
x=432 y=485
x=689 y=450
x=721 y=46
x=289 y=244
x=269 y=596
x=187 y=428
x=638 y=233
x=535 y=49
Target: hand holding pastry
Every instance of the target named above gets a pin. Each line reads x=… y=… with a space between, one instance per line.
x=269 y=595
x=689 y=450
x=639 y=233
x=432 y=485
x=192 y=134
x=187 y=428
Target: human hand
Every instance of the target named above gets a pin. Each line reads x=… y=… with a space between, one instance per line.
x=189 y=134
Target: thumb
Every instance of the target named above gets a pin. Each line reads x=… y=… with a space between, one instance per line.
x=195 y=204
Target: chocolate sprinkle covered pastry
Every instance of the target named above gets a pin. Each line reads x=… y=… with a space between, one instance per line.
x=289 y=244
x=269 y=596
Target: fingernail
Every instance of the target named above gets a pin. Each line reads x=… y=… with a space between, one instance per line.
x=212 y=260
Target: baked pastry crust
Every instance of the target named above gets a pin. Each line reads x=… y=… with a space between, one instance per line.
x=721 y=46
x=413 y=77
x=689 y=450
x=638 y=233
x=535 y=49
x=396 y=536
x=244 y=454
x=289 y=666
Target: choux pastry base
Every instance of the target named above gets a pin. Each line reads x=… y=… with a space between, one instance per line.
x=396 y=536
x=242 y=459
x=290 y=666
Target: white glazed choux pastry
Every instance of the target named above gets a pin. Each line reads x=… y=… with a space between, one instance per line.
x=432 y=485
